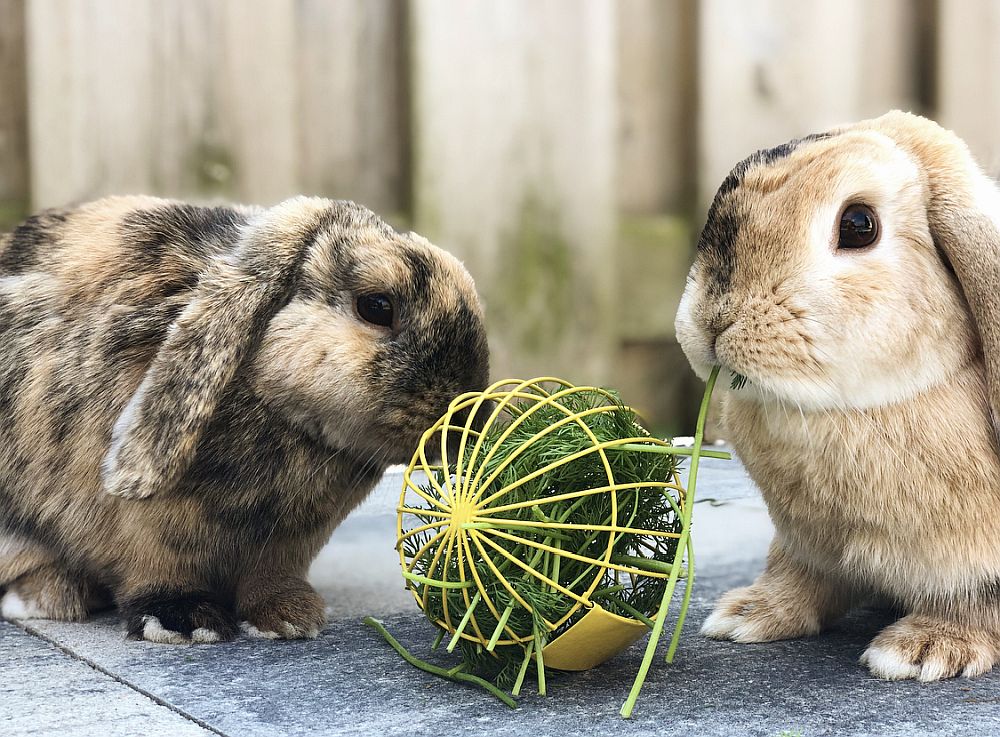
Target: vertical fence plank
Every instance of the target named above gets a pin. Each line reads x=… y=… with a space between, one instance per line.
x=13 y=114
x=178 y=98
x=352 y=101
x=656 y=190
x=656 y=92
x=88 y=92
x=771 y=70
x=968 y=77
x=193 y=99
x=223 y=112
x=191 y=155
x=256 y=95
x=514 y=142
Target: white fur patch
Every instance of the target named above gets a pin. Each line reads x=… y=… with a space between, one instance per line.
x=153 y=631
x=205 y=635
x=718 y=626
x=977 y=667
x=257 y=634
x=109 y=468
x=12 y=606
x=288 y=632
x=11 y=284
x=933 y=670
x=734 y=627
x=987 y=197
x=11 y=544
x=887 y=663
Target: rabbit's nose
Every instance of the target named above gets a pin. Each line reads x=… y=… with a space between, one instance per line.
x=710 y=354
x=718 y=323
x=719 y=318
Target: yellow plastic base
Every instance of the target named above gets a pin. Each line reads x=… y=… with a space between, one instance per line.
x=598 y=636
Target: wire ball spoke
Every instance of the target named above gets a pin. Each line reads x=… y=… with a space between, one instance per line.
x=489 y=522
x=475 y=537
x=580 y=558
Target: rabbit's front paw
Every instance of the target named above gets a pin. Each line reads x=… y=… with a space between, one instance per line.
x=929 y=649
x=50 y=592
x=751 y=614
x=292 y=612
x=179 y=618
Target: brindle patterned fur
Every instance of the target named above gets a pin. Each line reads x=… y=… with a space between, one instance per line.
x=191 y=403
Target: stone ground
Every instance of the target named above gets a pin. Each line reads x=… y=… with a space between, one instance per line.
x=85 y=679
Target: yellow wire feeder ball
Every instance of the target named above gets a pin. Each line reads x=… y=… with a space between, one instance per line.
x=498 y=560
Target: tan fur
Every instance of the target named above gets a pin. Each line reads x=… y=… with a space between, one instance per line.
x=195 y=402
x=868 y=419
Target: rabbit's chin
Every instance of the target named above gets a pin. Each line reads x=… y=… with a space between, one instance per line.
x=801 y=394
x=807 y=393
x=820 y=394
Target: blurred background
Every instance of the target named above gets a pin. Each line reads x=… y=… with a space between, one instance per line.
x=565 y=149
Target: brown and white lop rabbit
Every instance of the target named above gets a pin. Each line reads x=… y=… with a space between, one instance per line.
x=853 y=277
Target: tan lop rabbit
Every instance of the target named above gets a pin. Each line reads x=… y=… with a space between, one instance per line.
x=853 y=278
x=193 y=398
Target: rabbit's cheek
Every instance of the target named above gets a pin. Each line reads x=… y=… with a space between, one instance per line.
x=694 y=341
x=318 y=372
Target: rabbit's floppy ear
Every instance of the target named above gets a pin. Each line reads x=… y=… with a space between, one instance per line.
x=963 y=211
x=155 y=437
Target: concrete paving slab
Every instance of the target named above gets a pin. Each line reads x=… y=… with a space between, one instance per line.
x=44 y=691
x=349 y=682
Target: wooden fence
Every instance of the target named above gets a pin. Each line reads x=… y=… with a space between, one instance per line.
x=565 y=149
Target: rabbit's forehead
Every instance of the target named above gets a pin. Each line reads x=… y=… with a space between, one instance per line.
x=777 y=199
x=342 y=257
x=827 y=169
x=375 y=260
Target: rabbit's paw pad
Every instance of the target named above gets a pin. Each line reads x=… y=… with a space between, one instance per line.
x=750 y=615
x=179 y=619
x=929 y=649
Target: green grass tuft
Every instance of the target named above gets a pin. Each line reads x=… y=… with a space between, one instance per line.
x=739 y=381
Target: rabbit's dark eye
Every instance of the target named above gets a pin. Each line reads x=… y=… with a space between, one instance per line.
x=376 y=309
x=858 y=227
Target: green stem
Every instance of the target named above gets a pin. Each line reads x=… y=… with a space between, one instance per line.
x=539 y=515
x=516 y=691
x=601 y=593
x=674 y=450
x=465 y=620
x=684 y=604
x=572 y=508
x=435 y=670
x=500 y=625
x=647 y=564
x=634 y=612
x=556 y=562
x=586 y=571
x=539 y=663
x=437 y=582
x=661 y=616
